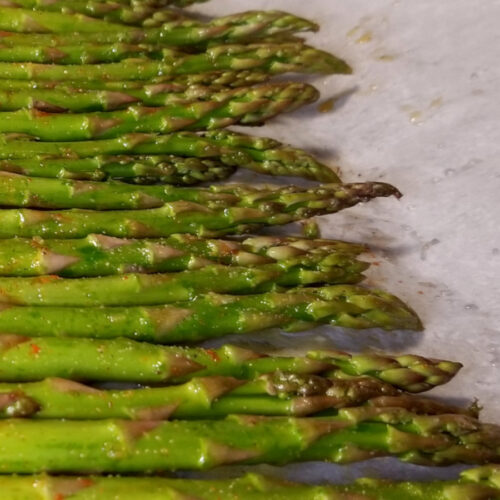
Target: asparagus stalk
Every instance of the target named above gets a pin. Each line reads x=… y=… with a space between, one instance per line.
x=480 y=483
x=98 y=255
x=134 y=14
x=271 y=58
x=90 y=53
x=219 y=79
x=188 y=217
x=135 y=170
x=275 y=394
x=260 y=154
x=25 y=359
x=248 y=106
x=53 y=28
x=152 y=289
x=38 y=192
x=215 y=315
x=120 y=446
x=62 y=99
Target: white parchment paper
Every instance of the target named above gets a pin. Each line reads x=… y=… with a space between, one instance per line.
x=421 y=111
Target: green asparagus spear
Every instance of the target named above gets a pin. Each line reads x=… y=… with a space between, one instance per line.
x=249 y=25
x=216 y=79
x=151 y=289
x=354 y=434
x=275 y=394
x=134 y=14
x=216 y=315
x=62 y=99
x=134 y=170
x=272 y=58
x=248 y=106
x=260 y=154
x=90 y=53
x=25 y=359
x=188 y=217
x=481 y=484
x=99 y=255
x=38 y=192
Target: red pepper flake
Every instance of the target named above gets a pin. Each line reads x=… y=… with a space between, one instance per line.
x=5 y=33
x=39 y=113
x=213 y=355
x=47 y=279
x=85 y=482
x=35 y=349
x=420 y=292
x=376 y=263
x=59 y=496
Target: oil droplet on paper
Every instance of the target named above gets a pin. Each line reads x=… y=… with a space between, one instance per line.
x=415 y=117
x=366 y=37
x=436 y=103
x=387 y=57
x=327 y=106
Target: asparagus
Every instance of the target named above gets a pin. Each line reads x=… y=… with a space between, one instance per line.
x=152 y=289
x=275 y=394
x=249 y=25
x=480 y=483
x=55 y=29
x=219 y=79
x=120 y=446
x=135 y=170
x=248 y=106
x=216 y=315
x=98 y=255
x=188 y=217
x=90 y=53
x=37 y=192
x=135 y=14
x=260 y=154
x=271 y=58
x=62 y=99
x=25 y=359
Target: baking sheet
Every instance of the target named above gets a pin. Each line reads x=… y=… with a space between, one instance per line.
x=421 y=111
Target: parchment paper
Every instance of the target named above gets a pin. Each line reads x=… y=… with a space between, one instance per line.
x=421 y=111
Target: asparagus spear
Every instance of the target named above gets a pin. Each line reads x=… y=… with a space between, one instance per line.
x=134 y=14
x=260 y=154
x=61 y=99
x=248 y=106
x=151 y=289
x=275 y=394
x=272 y=58
x=100 y=255
x=89 y=53
x=38 y=192
x=219 y=79
x=249 y=25
x=216 y=315
x=120 y=446
x=135 y=170
x=480 y=483
x=25 y=359
x=189 y=217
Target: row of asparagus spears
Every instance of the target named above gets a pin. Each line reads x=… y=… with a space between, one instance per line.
x=108 y=110
x=480 y=484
